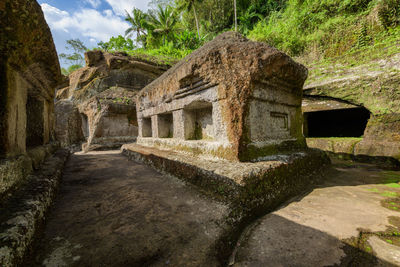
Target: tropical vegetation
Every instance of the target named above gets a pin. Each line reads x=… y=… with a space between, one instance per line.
x=312 y=29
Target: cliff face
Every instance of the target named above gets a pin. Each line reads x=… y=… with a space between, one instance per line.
x=372 y=82
x=29 y=72
x=98 y=105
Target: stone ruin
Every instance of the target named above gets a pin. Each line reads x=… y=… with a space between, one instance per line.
x=29 y=72
x=97 y=105
x=231 y=99
x=228 y=118
x=30 y=162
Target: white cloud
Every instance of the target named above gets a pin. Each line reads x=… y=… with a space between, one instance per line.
x=56 y=18
x=119 y=6
x=94 y=3
x=108 y=12
x=89 y=23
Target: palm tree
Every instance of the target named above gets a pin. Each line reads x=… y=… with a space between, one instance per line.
x=163 y=21
x=188 y=5
x=138 y=23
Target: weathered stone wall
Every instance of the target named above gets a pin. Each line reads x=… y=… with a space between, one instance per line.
x=103 y=92
x=238 y=100
x=69 y=128
x=29 y=72
x=375 y=88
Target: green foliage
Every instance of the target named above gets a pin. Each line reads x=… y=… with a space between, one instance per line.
x=187 y=40
x=162 y=23
x=389 y=13
x=363 y=38
x=75 y=60
x=321 y=28
x=248 y=19
x=117 y=44
x=138 y=22
x=327 y=28
x=165 y=54
x=189 y=5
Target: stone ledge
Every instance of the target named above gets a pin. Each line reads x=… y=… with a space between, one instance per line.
x=13 y=171
x=386 y=154
x=250 y=189
x=22 y=214
x=107 y=143
x=271 y=177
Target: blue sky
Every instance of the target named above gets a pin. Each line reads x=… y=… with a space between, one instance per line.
x=91 y=21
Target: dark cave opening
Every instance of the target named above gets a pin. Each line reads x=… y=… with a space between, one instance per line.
x=34 y=122
x=349 y=122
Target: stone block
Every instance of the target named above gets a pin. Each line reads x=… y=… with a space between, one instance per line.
x=226 y=103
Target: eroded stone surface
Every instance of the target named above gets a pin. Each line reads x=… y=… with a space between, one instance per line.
x=29 y=72
x=22 y=213
x=114 y=212
x=239 y=99
x=104 y=93
x=68 y=123
x=387 y=252
x=376 y=90
x=309 y=231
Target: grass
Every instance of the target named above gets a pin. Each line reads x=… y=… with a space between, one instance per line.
x=391 y=203
x=393 y=185
x=388 y=194
x=375 y=190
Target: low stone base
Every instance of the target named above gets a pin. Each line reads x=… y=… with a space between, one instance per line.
x=250 y=189
x=13 y=171
x=254 y=183
x=22 y=213
x=385 y=154
x=107 y=143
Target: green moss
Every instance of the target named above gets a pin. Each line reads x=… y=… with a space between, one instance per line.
x=340 y=139
x=375 y=190
x=391 y=203
x=393 y=185
x=389 y=194
x=391 y=177
x=252 y=152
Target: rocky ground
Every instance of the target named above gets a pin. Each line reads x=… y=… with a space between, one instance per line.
x=114 y=212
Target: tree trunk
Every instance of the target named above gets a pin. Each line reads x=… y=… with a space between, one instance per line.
x=197 y=21
x=234 y=3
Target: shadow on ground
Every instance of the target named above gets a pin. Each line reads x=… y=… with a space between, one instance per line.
x=114 y=212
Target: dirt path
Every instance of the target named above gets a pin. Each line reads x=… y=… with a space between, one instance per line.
x=115 y=212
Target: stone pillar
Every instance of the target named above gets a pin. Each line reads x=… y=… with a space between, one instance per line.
x=189 y=118
x=218 y=122
x=179 y=124
x=154 y=126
